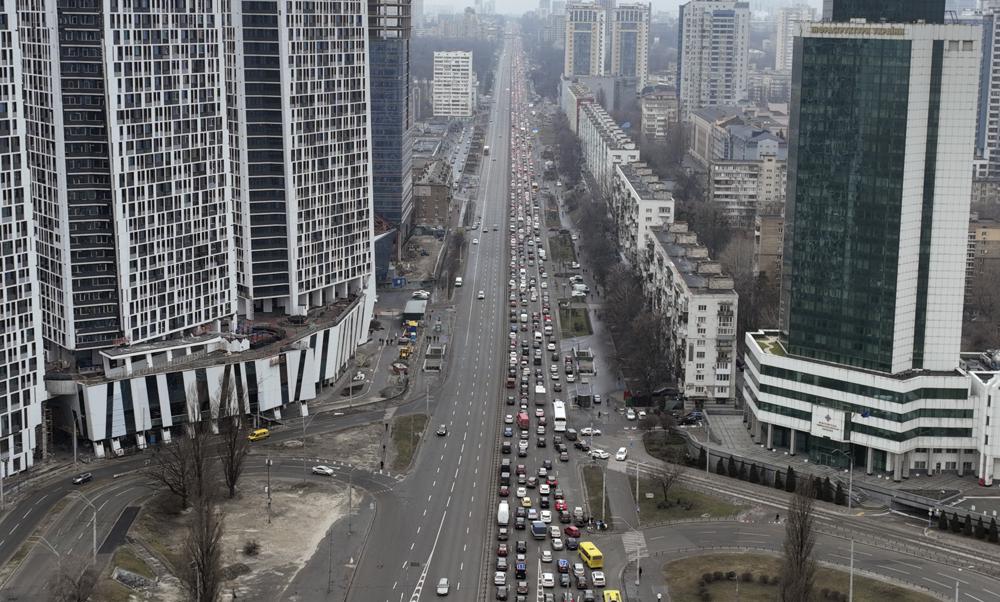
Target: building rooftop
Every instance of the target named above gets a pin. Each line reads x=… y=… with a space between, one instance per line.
x=718 y=113
x=700 y=273
x=436 y=172
x=645 y=183
x=613 y=136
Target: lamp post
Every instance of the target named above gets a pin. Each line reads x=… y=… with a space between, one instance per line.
x=850 y=475
x=627 y=524
x=94 y=530
x=54 y=551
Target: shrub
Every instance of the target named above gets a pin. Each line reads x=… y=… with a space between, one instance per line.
x=251 y=547
x=763 y=579
x=717 y=576
x=747 y=577
x=706 y=577
x=731 y=575
x=705 y=596
x=825 y=592
x=779 y=483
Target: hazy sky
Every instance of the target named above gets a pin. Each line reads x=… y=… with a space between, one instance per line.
x=521 y=6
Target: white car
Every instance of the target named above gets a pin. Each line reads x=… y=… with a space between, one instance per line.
x=630 y=414
x=443 y=587
x=621 y=454
x=578 y=569
x=571 y=378
x=548 y=580
x=545 y=516
x=599 y=454
x=543 y=489
x=481 y=295
x=423 y=295
x=557 y=544
x=546 y=555
x=521 y=491
x=597 y=577
x=642 y=414
x=499 y=578
x=589 y=432
x=551 y=347
x=597 y=399
x=323 y=470
x=475 y=241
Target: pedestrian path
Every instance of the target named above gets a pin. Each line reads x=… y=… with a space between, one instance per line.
x=634 y=543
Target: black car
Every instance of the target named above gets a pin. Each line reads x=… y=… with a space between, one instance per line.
x=582 y=446
x=565 y=517
x=502 y=534
x=521 y=547
x=572 y=543
x=581 y=581
x=505 y=447
x=521 y=512
x=540 y=442
x=543 y=502
x=547 y=464
x=519 y=523
x=501 y=592
x=571 y=434
x=510 y=400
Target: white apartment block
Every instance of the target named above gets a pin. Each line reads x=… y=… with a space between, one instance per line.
x=741 y=187
x=128 y=173
x=639 y=202
x=22 y=358
x=604 y=145
x=585 y=46
x=300 y=153
x=454 y=92
x=660 y=113
x=572 y=98
x=697 y=305
x=789 y=18
x=630 y=42
x=713 y=66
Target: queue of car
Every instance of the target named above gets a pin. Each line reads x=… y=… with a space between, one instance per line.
x=530 y=503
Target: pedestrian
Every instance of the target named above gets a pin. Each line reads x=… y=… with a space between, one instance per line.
x=777 y=518
x=640 y=571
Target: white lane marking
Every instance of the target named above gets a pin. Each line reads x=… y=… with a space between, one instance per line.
x=427 y=563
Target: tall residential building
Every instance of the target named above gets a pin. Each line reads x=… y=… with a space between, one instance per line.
x=659 y=113
x=867 y=364
x=789 y=18
x=454 y=93
x=300 y=152
x=585 y=45
x=22 y=360
x=630 y=42
x=391 y=115
x=713 y=46
x=128 y=172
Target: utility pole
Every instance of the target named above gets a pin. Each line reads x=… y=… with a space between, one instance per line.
x=350 y=501
x=604 y=480
x=850 y=587
x=268 y=464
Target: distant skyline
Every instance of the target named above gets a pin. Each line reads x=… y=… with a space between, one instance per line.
x=518 y=7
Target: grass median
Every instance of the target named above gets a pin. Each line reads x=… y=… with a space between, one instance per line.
x=406 y=433
x=680 y=503
x=592 y=480
x=561 y=247
x=574 y=322
x=691 y=578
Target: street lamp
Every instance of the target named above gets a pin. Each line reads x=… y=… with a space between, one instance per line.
x=94 y=534
x=53 y=549
x=850 y=475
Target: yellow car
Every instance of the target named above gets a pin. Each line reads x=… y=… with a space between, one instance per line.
x=259 y=434
x=526 y=502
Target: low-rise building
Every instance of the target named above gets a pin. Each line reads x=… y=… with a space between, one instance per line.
x=697 y=305
x=639 y=202
x=432 y=188
x=604 y=145
x=660 y=113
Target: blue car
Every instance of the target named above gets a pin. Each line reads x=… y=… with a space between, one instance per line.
x=508 y=431
x=563 y=565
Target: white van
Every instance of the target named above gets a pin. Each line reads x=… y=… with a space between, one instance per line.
x=503 y=514
x=458 y=281
x=538 y=336
x=548 y=330
x=541 y=254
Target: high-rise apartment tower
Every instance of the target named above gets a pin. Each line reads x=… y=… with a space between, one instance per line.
x=713 y=49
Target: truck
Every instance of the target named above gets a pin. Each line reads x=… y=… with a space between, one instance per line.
x=503 y=514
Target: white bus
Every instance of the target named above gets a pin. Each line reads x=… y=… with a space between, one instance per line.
x=559 y=416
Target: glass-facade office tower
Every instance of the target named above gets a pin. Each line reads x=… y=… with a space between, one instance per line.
x=300 y=159
x=584 y=42
x=21 y=355
x=713 y=67
x=882 y=123
x=125 y=121
x=391 y=117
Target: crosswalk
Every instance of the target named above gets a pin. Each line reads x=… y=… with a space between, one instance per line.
x=634 y=541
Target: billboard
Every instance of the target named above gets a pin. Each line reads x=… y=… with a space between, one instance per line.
x=827 y=423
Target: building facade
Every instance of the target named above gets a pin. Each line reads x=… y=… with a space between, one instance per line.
x=585 y=44
x=867 y=364
x=572 y=97
x=639 y=202
x=22 y=359
x=697 y=306
x=432 y=195
x=713 y=49
x=660 y=113
x=129 y=180
x=983 y=254
x=603 y=145
x=769 y=243
x=389 y=30
x=630 y=42
x=740 y=188
x=454 y=93
x=789 y=18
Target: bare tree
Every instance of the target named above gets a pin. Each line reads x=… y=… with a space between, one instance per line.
x=234 y=449
x=799 y=566
x=170 y=467
x=74 y=582
x=203 y=576
x=671 y=474
x=646 y=357
x=624 y=298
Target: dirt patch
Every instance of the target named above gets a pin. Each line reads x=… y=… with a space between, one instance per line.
x=360 y=447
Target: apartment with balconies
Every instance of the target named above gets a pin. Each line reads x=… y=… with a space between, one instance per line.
x=639 y=202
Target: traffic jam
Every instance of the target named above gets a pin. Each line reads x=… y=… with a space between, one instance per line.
x=542 y=548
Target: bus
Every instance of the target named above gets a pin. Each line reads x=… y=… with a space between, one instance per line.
x=559 y=416
x=612 y=595
x=591 y=556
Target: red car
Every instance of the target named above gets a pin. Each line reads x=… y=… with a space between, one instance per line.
x=571 y=531
x=561 y=505
x=504 y=491
x=502 y=550
x=551 y=480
